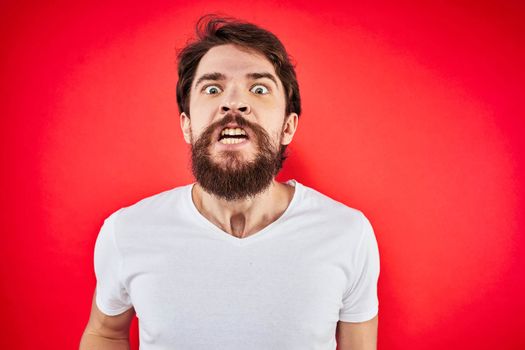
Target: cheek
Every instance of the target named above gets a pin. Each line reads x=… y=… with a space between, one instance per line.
x=201 y=106
x=271 y=104
x=275 y=134
x=196 y=132
x=272 y=122
x=200 y=119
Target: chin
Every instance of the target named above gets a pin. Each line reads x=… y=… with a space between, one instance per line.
x=232 y=161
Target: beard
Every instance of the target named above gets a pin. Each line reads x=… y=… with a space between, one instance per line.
x=236 y=178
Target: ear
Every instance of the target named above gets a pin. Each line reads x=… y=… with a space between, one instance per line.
x=185 y=125
x=290 y=126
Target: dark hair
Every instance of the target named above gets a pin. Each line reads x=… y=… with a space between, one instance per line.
x=214 y=31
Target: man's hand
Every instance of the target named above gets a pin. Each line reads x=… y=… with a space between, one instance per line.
x=357 y=336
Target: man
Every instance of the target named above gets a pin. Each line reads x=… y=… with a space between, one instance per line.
x=236 y=260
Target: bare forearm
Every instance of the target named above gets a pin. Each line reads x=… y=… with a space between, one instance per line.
x=93 y=341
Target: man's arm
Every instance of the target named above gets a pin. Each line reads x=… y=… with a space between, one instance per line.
x=357 y=336
x=105 y=332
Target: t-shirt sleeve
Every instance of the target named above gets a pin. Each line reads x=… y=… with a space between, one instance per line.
x=111 y=295
x=360 y=302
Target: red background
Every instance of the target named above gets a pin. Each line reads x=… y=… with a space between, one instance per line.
x=413 y=113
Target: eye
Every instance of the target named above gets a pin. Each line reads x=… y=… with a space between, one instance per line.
x=212 y=89
x=260 y=89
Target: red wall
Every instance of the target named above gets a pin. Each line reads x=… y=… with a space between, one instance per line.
x=412 y=113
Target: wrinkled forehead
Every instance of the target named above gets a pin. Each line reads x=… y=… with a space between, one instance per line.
x=233 y=61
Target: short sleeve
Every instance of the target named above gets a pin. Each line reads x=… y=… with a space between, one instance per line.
x=360 y=302
x=111 y=295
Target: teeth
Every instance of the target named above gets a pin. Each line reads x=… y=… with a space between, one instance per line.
x=230 y=141
x=231 y=131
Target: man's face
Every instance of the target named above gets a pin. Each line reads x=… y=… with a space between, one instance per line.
x=237 y=123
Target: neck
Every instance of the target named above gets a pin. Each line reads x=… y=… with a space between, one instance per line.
x=244 y=217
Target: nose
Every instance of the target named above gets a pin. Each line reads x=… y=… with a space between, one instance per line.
x=244 y=109
x=234 y=102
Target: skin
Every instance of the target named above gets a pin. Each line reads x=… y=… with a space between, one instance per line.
x=105 y=332
x=262 y=101
x=209 y=101
x=357 y=336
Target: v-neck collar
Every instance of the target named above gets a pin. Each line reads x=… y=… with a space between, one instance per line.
x=264 y=232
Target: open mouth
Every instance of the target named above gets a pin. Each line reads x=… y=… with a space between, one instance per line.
x=230 y=136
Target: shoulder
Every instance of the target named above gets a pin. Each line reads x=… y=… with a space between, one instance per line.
x=345 y=230
x=325 y=208
x=152 y=208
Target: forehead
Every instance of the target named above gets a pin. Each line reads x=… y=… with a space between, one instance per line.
x=232 y=60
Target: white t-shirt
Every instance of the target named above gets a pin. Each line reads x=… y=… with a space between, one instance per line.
x=194 y=286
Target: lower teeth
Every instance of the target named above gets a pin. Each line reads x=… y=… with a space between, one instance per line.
x=230 y=141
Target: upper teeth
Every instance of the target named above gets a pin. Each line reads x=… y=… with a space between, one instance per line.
x=236 y=131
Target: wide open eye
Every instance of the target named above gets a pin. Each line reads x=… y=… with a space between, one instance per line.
x=259 y=89
x=212 y=90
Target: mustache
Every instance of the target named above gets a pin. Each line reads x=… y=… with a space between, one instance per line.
x=237 y=179
x=237 y=118
x=233 y=117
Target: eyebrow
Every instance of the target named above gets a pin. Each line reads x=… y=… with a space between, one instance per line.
x=219 y=76
x=210 y=76
x=262 y=75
